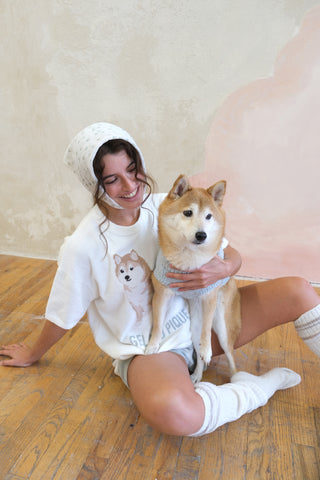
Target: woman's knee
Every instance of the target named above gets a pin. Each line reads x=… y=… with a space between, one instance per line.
x=173 y=411
x=301 y=293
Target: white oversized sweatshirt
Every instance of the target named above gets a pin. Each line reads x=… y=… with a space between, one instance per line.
x=112 y=284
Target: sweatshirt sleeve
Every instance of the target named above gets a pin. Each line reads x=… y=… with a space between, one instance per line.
x=73 y=288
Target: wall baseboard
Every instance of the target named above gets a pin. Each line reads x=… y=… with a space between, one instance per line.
x=257 y=279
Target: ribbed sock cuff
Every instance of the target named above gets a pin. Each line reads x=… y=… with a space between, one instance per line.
x=309 y=322
x=308 y=328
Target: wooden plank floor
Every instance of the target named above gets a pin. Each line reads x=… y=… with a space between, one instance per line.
x=70 y=418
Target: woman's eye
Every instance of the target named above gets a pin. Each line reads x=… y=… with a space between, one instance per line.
x=187 y=213
x=208 y=216
x=132 y=167
x=110 y=181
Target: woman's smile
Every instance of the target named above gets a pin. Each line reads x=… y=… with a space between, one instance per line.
x=131 y=195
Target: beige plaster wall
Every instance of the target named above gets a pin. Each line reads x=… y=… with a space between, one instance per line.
x=161 y=69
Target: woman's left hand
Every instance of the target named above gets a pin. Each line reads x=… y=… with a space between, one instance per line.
x=209 y=273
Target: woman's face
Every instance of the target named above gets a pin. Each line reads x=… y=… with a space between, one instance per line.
x=119 y=180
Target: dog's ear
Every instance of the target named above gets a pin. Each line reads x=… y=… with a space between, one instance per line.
x=134 y=255
x=117 y=259
x=217 y=191
x=180 y=187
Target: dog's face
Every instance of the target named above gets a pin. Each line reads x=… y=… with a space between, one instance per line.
x=192 y=218
x=129 y=270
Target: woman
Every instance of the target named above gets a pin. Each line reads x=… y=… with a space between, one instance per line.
x=104 y=270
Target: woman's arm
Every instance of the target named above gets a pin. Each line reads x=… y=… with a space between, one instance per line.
x=23 y=356
x=210 y=272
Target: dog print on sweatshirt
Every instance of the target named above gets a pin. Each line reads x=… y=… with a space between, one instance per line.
x=134 y=274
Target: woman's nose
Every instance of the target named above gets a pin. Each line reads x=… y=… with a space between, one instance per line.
x=129 y=182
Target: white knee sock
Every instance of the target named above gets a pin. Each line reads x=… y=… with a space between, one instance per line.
x=245 y=393
x=308 y=327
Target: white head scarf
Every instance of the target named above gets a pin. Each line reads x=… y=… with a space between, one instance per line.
x=80 y=153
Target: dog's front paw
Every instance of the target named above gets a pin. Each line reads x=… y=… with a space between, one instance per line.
x=152 y=348
x=206 y=353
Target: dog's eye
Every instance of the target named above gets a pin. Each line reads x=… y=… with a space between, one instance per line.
x=131 y=268
x=187 y=213
x=121 y=270
x=208 y=216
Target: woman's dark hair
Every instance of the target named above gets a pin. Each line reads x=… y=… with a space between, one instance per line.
x=116 y=146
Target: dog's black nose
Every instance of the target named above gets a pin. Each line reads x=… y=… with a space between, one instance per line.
x=201 y=236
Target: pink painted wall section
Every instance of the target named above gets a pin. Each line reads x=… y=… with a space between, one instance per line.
x=265 y=141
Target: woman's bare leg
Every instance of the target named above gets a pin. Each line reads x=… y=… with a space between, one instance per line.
x=164 y=394
x=267 y=304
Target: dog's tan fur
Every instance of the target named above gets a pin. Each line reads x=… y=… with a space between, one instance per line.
x=218 y=309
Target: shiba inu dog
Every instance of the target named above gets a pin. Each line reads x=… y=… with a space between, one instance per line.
x=191 y=228
x=135 y=275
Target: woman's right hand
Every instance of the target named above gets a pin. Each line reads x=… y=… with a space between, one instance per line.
x=23 y=356
x=20 y=355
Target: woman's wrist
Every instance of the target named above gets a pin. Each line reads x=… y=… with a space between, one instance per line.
x=232 y=261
